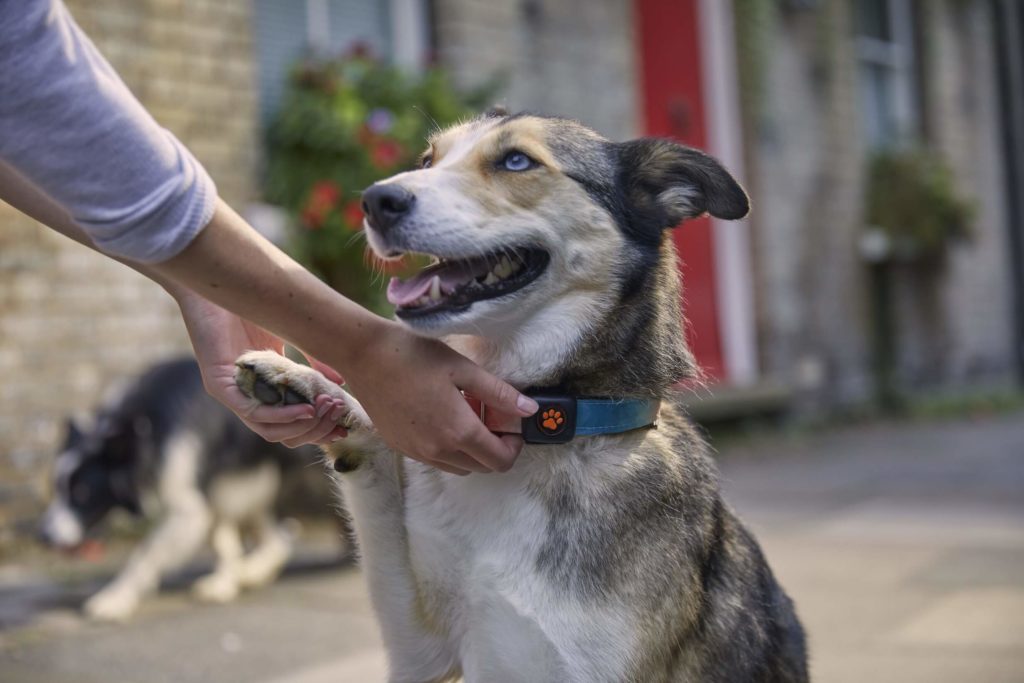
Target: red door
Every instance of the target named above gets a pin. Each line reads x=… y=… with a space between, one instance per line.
x=673 y=106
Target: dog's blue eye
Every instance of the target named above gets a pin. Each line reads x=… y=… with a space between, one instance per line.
x=517 y=161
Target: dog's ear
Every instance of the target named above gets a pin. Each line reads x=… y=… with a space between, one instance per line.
x=668 y=182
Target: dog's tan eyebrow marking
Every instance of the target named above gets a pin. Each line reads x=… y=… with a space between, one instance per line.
x=527 y=136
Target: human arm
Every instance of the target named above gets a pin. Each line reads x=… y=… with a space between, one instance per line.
x=72 y=129
x=218 y=336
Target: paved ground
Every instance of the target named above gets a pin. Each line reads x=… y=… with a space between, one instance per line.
x=903 y=546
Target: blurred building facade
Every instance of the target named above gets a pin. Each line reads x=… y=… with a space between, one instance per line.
x=791 y=94
x=73 y=322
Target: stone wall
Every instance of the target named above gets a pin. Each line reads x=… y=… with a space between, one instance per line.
x=71 y=321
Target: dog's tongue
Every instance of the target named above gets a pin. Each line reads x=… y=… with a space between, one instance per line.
x=451 y=276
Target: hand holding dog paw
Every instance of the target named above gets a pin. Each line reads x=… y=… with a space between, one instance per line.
x=218 y=338
x=411 y=387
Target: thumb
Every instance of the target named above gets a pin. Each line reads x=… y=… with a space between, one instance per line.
x=495 y=393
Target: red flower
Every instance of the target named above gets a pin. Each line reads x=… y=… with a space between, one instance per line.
x=322 y=199
x=312 y=219
x=386 y=153
x=353 y=214
x=325 y=194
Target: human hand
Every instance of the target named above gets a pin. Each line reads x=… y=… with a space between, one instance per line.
x=218 y=338
x=411 y=387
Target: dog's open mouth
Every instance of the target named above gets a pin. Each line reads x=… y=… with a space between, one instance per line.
x=453 y=285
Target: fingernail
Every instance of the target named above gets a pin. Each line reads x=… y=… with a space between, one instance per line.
x=336 y=438
x=307 y=416
x=527 y=405
x=322 y=410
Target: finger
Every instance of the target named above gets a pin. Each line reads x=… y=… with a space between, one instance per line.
x=291 y=432
x=335 y=434
x=495 y=393
x=314 y=435
x=281 y=414
x=459 y=460
x=514 y=443
x=280 y=433
x=459 y=463
x=487 y=449
x=450 y=469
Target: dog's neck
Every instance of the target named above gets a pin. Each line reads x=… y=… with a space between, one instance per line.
x=635 y=349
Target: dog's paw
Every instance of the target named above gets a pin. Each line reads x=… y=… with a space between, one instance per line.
x=112 y=604
x=271 y=379
x=216 y=588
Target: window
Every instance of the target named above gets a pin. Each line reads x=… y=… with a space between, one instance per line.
x=885 y=53
x=285 y=30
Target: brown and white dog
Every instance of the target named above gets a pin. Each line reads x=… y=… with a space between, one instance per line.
x=608 y=558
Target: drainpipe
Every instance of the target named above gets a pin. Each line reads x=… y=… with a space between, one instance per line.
x=1009 y=27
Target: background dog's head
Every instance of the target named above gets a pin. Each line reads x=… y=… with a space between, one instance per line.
x=543 y=232
x=94 y=473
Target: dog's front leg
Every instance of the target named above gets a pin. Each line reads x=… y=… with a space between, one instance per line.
x=370 y=477
x=418 y=651
x=177 y=537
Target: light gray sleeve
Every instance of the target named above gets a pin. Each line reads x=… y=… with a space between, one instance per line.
x=71 y=127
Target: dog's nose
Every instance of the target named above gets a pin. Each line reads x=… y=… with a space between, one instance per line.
x=386 y=204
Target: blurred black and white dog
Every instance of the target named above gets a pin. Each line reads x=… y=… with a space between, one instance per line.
x=164 y=444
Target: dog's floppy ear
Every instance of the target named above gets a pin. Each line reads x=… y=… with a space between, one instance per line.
x=669 y=182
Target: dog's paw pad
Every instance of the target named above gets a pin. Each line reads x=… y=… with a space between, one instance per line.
x=552 y=419
x=274 y=380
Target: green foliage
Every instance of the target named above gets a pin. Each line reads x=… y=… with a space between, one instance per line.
x=912 y=197
x=345 y=124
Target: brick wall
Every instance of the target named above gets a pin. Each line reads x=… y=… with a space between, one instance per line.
x=72 y=321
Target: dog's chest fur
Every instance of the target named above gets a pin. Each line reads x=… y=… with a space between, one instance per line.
x=488 y=556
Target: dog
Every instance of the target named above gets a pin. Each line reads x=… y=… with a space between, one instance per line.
x=605 y=558
x=165 y=441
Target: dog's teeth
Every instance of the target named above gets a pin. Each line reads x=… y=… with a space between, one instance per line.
x=514 y=267
x=491 y=278
x=435 y=288
x=503 y=269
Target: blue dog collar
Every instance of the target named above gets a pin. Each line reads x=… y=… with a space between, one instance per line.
x=562 y=418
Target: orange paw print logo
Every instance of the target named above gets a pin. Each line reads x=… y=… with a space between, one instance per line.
x=552 y=420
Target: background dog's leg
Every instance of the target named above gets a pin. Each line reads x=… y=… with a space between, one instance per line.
x=223 y=584
x=171 y=544
x=268 y=558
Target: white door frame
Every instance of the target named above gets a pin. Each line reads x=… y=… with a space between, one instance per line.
x=730 y=239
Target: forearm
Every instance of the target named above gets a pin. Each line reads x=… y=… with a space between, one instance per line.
x=27 y=198
x=233 y=266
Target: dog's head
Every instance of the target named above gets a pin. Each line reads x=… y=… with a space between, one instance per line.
x=93 y=474
x=541 y=228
